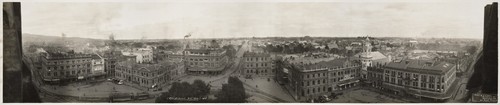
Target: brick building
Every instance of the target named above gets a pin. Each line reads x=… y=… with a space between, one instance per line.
x=65 y=66
x=257 y=64
x=145 y=76
x=311 y=80
x=421 y=78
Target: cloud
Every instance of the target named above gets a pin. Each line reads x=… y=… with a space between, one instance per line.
x=206 y=20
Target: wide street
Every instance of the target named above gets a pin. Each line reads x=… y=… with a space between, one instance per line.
x=462 y=91
x=217 y=80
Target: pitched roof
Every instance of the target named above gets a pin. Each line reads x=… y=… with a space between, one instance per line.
x=333 y=45
x=324 y=64
x=255 y=54
x=162 y=65
x=375 y=55
x=421 y=65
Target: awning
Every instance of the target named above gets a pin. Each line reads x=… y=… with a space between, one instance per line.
x=352 y=81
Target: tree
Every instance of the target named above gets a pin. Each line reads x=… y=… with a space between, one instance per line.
x=471 y=49
x=230 y=51
x=185 y=90
x=201 y=88
x=232 y=92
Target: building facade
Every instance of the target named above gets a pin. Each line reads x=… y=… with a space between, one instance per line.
x=143 y=55
x=256 y=64
x=98 y=66
x=144 y=76
x=65 y=66
x=110 y=60
x=421 y=78
x=209 y=59
x=309 y=81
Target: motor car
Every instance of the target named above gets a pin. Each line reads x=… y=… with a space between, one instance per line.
x=120 y=82
x=325 y=97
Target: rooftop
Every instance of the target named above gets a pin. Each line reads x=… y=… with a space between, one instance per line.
x=375 y=55
x=428 y=65
x=65 y=55
x=256 y=54
x=325 y=64
x=161 y=65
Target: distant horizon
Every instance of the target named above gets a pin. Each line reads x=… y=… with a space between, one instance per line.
x=265 y=37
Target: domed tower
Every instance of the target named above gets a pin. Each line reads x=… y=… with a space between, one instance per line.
x=365 y=57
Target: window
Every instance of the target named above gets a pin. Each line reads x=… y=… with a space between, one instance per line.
x=423 y=85
x=424 y=78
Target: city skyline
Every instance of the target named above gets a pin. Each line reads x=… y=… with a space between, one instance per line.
x=235 y=20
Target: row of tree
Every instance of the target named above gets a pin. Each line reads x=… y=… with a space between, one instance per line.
x=232 y=92
x=185 y=90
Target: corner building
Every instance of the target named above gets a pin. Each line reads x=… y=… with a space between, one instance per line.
x=65 y=66
x=208 y=60
x=257 y=64
x=311 y=80
x=421 y=78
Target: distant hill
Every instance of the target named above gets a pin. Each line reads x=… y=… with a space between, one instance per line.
x=26 y=37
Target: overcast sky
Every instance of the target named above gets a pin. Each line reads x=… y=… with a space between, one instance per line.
x=227 y=20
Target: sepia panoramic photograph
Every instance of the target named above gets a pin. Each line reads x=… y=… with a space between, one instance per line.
x=250 y=52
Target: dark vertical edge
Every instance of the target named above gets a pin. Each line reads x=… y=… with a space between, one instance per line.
x=490 y=84
x=12 y=63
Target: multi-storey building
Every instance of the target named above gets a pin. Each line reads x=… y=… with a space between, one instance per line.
x=311 y=80
x=209 y=59
x=420 y=78
x=143 y=55
x=145 y=76
x=110 y=60
x=98 y=66
x=370 y=58
x=375 y=76
x=257 y=64
x=64 y=66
